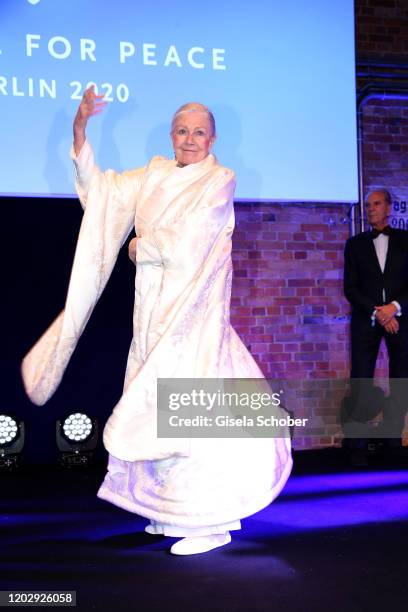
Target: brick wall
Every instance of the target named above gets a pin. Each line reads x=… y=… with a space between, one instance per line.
x=381 y=29
x=287 y=301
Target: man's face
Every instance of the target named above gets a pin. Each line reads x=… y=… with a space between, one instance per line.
x=192 y=137
x=378 y=210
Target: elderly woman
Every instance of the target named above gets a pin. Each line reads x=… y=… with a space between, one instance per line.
x=182 y=211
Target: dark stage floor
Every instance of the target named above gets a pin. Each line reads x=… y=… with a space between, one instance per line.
x=335 y=540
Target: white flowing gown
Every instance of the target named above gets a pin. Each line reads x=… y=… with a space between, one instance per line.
x=184 y=220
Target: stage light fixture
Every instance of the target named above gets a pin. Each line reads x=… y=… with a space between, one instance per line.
x=11 y=442
x=77 y=438
x=77 y=427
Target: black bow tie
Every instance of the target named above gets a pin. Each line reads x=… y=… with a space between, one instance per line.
x=375 y=232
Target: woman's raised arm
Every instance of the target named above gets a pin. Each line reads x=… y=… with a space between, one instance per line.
x=91 y=104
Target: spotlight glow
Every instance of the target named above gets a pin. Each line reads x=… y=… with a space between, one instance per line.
x=77 y=427
x=8 y=429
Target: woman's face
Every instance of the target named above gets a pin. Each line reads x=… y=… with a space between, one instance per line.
x=192 y=137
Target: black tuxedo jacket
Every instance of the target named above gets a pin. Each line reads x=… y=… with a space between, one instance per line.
x=363 y=280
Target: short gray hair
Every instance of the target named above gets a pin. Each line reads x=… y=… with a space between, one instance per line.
x=385 y=193
x=195 y=106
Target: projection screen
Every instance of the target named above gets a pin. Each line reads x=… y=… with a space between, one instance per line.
x=279 y=77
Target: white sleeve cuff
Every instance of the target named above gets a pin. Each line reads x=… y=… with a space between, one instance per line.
x=398 y=306
x=147 y=251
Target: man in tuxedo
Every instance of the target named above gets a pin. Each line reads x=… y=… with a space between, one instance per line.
x=376 y=285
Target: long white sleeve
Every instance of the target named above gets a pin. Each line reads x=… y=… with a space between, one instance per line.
x=84 y=164
x=111 y=201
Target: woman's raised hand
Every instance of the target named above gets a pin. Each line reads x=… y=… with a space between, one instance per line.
x=91 y=104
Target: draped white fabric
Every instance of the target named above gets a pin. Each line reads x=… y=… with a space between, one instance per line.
x=184 y=220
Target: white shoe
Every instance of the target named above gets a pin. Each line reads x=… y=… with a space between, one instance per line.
x=200 y=544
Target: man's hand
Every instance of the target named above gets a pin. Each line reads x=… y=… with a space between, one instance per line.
x=392 y=326
x=132 y=248
x=384 y=314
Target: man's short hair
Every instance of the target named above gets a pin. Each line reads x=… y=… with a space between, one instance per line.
x=384 y=191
